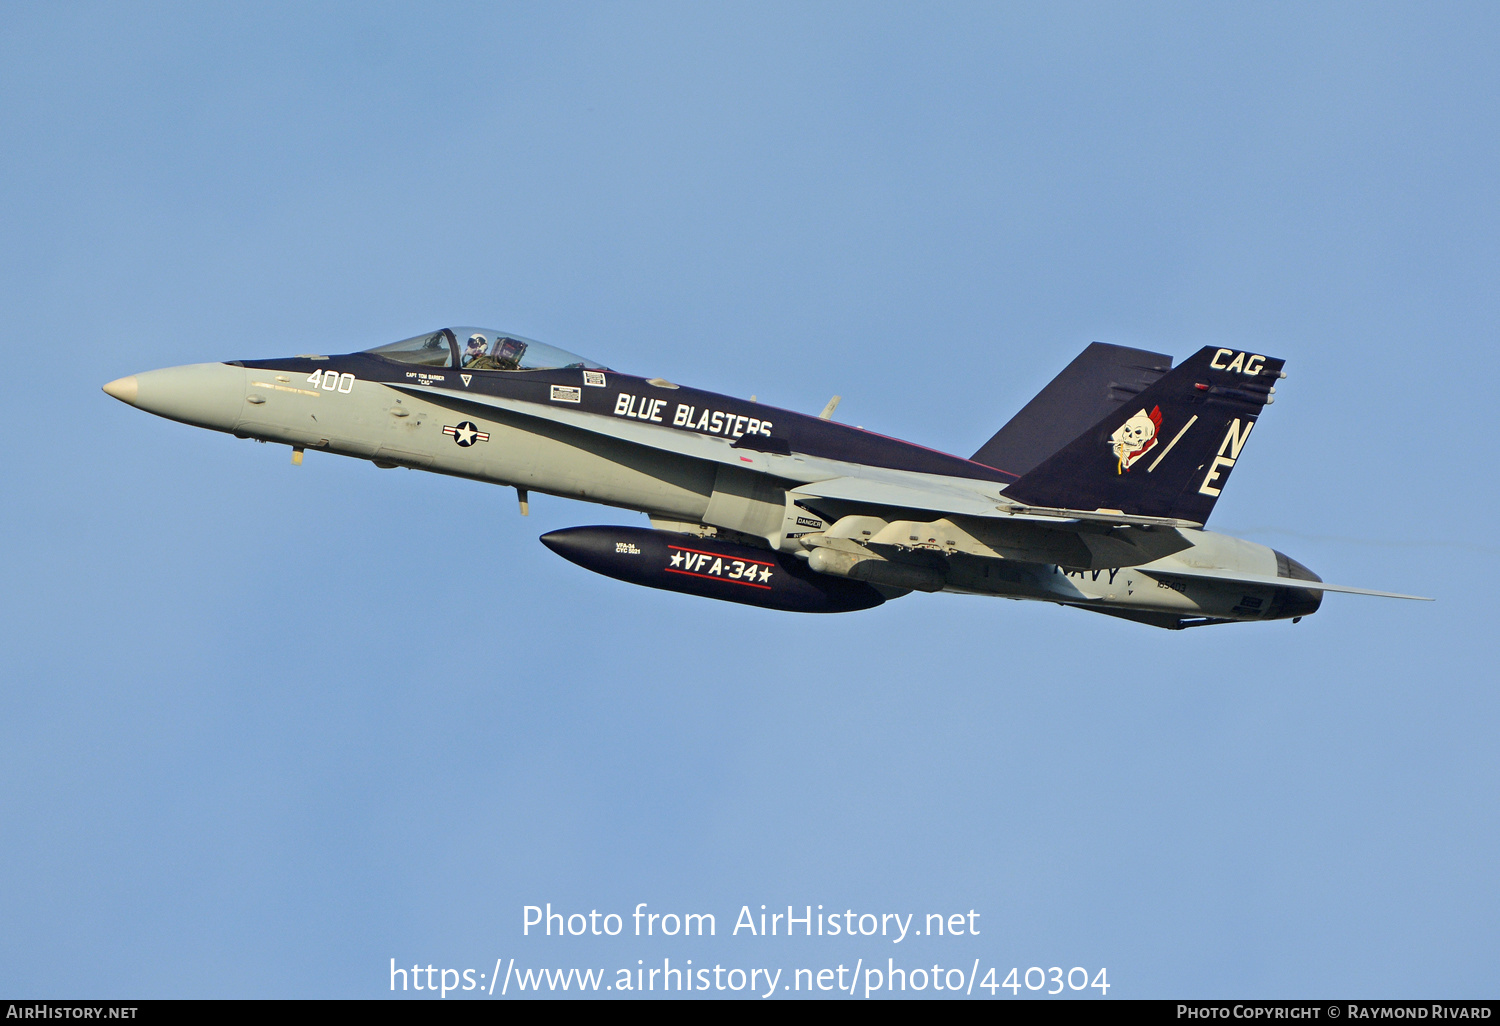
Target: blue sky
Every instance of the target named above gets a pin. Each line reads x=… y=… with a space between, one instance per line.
x=264 y=728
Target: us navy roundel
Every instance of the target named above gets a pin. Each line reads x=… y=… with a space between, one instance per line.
x=466 y=433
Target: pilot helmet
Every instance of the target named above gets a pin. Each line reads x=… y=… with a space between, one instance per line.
x=476 y=341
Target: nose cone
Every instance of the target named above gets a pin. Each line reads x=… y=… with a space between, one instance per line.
x=582 y=545
x=123 y=389
x=209 y=395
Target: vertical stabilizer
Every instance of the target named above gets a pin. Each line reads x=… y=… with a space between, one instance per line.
x=1168 y=452
x=1095 y=384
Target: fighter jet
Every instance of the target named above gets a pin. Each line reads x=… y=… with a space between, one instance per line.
x=1095 y=495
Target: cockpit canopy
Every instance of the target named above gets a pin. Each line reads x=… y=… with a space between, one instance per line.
x=481 y=349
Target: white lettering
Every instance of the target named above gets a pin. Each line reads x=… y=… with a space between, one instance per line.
x=1234 y=436
x=1215 y=364
x=1213 y=472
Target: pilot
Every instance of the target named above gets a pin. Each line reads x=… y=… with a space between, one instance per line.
x=475 y=349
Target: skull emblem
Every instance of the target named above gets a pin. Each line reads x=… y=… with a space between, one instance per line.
x=1133 y=438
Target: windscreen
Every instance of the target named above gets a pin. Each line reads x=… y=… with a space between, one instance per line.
x=431 y=350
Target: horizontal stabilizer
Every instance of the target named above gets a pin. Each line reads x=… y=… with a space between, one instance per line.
x=1169 y=621
x=1235 y=577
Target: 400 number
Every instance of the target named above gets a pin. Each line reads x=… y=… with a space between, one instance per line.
x=328 y=381
x=1077 y=978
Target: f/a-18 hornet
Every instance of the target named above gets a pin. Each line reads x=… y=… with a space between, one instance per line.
x=1093 y=496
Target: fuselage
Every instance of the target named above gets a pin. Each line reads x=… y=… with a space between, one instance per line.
x=368 y=407
x=575 y=432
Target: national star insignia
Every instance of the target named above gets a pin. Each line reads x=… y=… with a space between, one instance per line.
x=466 y=433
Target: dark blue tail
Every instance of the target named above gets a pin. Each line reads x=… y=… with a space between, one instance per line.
x=1095 y=384
x=1167 y=453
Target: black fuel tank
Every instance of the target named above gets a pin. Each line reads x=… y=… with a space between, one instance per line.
x=709 y=567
